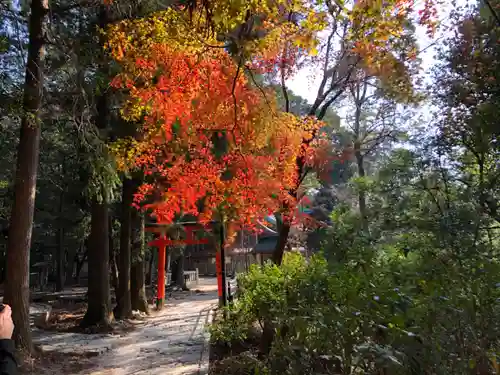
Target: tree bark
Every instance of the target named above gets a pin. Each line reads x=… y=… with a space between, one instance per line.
x=137 y=287
x=277 y=257
x=99 y=301
x=149 y=276
x=124 y=306
x=137 y=275
x=21 y=220
x=319 y=110
x=361 y=193
x=360 y=97
x=283 y=232
x=113 y=268
x=60 y=258
x=61 y=253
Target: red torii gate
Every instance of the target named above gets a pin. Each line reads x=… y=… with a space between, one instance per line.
x=161 y=242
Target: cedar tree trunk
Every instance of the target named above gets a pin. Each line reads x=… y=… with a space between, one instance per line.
x=21 y=220
x=360 y=159
x=113 y=268
x=137 y=274
x=361 y=194
x=149 y=278
x=124 y=307
x=61 y=253
x=99 y=301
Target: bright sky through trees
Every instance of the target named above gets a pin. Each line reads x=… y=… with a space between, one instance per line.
x=306 y=85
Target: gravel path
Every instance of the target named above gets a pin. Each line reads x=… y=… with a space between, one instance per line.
x=173 y=341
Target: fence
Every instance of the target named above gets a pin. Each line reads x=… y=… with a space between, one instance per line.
x=189 y=276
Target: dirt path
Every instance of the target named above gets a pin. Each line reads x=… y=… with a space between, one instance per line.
x=171 y=342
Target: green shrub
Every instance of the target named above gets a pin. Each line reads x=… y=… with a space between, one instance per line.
x=400 y=318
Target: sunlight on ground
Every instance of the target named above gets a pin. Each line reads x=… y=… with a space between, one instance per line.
x=170 y=342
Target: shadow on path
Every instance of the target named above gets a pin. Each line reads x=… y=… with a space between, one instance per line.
x=170 y=342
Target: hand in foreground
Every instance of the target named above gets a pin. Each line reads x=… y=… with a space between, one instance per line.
x=6 y=323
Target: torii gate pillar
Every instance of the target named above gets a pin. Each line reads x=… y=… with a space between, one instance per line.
x=161 y=243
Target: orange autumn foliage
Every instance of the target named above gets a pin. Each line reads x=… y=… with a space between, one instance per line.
x=208 y=135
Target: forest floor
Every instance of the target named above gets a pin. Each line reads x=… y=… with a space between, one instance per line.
x=173 y=341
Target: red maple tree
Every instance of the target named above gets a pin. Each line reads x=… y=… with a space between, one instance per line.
x=212 y=142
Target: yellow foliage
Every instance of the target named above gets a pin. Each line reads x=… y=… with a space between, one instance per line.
x=149 y=52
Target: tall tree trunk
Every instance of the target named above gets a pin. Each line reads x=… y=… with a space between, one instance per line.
x=361 y=193
x=319 y=110
x=60 y=252
x=283 y=227
x=124 y=306
x=113 y=268
x=99 y=310
x=21 y=219
x=60 y=258
x=149 y=278
x=360 y=96
x=283 y=232
x=99 y=301
x=137 y=275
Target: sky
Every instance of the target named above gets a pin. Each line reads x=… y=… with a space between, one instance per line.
x=305 y=85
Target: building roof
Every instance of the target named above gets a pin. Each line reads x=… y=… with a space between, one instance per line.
x=266 y=245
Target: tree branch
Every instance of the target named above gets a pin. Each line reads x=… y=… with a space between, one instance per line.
x=493 y=12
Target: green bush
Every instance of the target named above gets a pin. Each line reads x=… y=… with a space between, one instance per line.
x=394 y=316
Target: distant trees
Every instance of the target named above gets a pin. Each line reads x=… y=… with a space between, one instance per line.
x=364 y=42
x=467 y=91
